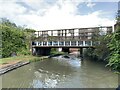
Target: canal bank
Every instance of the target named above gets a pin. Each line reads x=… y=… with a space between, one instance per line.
x=8 y=64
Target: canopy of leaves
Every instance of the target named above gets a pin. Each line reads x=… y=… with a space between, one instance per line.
x=114 y=46
x=14 y=38
x=101 y=51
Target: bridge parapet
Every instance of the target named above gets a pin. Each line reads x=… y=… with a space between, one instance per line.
x=64 y=43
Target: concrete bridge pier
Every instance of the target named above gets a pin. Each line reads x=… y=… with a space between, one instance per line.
x=81 y=52
x=41 y=51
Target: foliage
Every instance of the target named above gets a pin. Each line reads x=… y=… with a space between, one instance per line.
x=114 y=46
x=18 y=58
x=14 y=39
x=54 y=51
x=23 y=52
x=29 y=36
x=109 y=48
x=101 y=51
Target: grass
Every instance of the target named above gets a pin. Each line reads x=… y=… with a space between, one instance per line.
x=25 y=58
x=18 y=58
x=56 y=52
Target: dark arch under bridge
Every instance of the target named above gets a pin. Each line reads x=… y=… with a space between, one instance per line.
x=67 y=38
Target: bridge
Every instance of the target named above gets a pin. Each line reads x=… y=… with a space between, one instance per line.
x=64 y=39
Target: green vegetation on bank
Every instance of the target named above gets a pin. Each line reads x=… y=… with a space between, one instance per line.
x=109 y=48
x=15 y=39
x=55 y=51
x=101 y=51
x=114 y=46
x=18 y=58
x=23 y=58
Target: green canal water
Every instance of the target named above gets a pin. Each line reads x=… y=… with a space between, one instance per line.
x=61 y=73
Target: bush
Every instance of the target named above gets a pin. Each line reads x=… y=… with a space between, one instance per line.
x=23 y=52
x=13 y=39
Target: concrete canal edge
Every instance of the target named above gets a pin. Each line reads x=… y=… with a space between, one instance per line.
x=11 y=67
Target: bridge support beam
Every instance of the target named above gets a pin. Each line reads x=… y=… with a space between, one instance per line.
x=81 y=52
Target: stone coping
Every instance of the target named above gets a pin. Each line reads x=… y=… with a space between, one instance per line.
x=13 y=66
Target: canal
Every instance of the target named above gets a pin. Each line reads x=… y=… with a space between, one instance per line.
x=61 y=73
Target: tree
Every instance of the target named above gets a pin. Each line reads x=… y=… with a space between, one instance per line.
x=29 y=33
x=13 y=38
x=101 y=51
x=114 y=46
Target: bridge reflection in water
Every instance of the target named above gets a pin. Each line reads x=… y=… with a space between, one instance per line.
x=67 y=38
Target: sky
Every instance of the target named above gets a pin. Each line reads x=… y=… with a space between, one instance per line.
x=59 y=14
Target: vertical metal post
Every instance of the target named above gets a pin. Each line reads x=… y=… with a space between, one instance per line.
x=36 y=43
x=47 y=43
x=42 y=43
x=58 y=43
x=64 y=43
x=83 y=43
x=91 y=43
x=76 y=43
x=70 y=43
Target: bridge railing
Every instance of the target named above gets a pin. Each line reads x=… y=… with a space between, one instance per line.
x=64 y=43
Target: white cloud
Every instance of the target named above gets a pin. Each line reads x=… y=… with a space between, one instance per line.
x=90 y=4
x=41 y=15
x=102 y=0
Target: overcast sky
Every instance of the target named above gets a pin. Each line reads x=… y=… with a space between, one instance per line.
x=59 y=14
